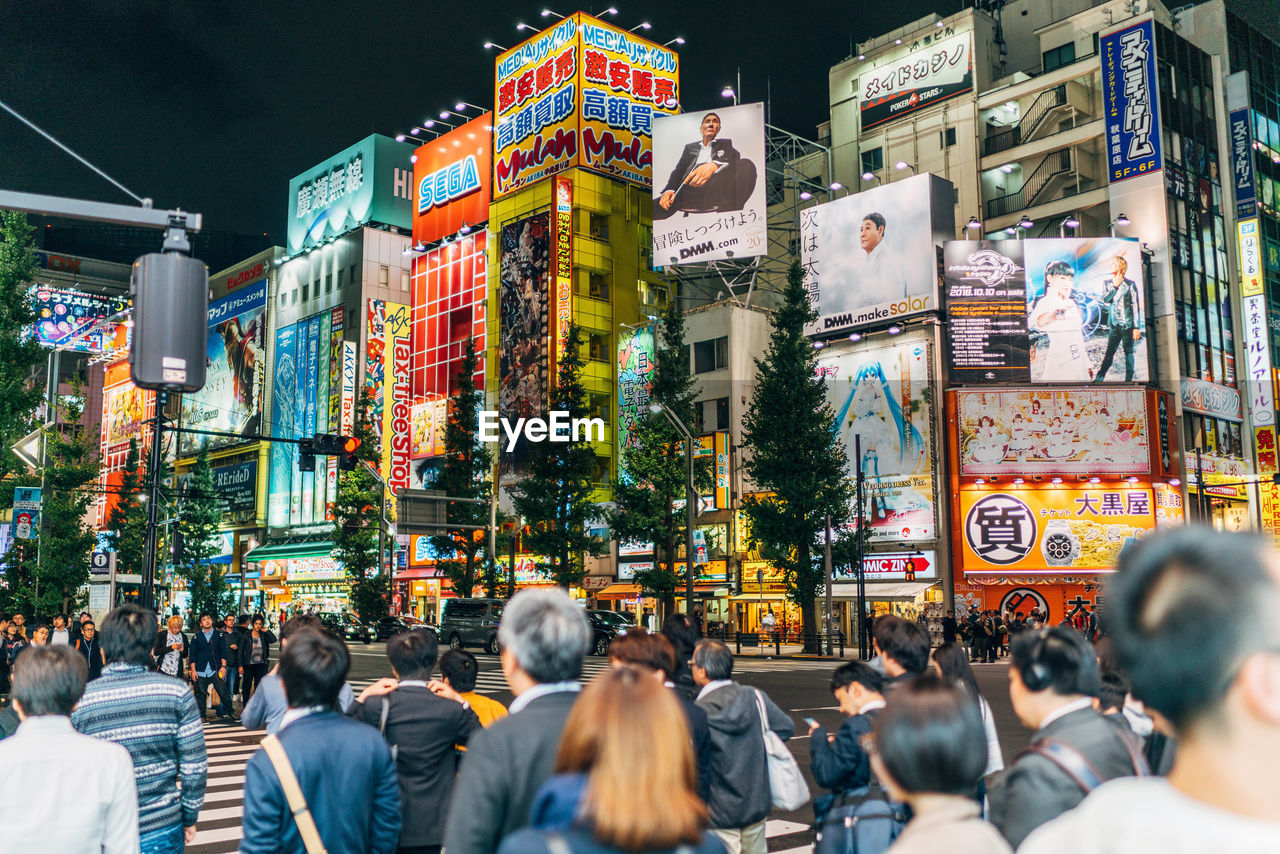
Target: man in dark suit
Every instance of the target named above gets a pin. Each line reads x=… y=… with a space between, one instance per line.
x=343 y=767
x=1124 y=319
x=423 y=729
x=1053 y=677
x=544 y=637
x=709 y=176
x=209 y=667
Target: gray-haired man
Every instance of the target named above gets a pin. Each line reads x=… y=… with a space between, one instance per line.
x=544 y=636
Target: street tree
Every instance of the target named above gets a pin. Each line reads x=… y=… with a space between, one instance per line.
x=127 y=519
x=198 y=528
x=555 y=498
x=796 y=456
x=22 y=357
x=465 y=472
x=357 y=516
x=653 y=470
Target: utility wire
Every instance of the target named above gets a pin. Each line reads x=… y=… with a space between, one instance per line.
x=54 y=140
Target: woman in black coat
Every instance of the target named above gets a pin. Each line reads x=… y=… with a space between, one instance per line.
x=255 y=657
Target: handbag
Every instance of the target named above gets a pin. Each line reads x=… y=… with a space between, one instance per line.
x=787 y=788
x=293 y=795
x=863 y=821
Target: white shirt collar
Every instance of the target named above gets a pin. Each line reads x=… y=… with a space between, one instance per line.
x=1066 y=709
x=871 y=705
x=713 y=685
x=542 y=689
x=294 y=714
x=45 y=724
x=413 y=683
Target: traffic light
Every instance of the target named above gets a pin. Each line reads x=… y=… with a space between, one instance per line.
x=342 y=447
x=306 y=455
x=349 y=461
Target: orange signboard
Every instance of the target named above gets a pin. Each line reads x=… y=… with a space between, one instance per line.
x=451 y=180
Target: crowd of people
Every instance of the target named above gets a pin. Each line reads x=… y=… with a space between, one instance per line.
x=666 y=751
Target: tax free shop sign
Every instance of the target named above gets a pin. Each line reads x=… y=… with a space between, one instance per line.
x=558 y=428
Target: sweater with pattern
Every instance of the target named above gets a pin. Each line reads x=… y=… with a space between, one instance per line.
x=154 y=717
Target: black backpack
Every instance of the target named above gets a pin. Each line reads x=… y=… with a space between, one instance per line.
x=860 y=821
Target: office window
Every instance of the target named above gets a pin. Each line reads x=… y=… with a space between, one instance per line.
x=404 y=280
x=341 y=272
x=384 y=275
x=722 y=413
x=598 y=347
x=948 y=137
x=598 y=225
x=873 y=160
x=598 y=286
x=351 y=275
x=306 y=291
x=710 y=355
x=602 y=470
x=1059 y=56
x=600 y=406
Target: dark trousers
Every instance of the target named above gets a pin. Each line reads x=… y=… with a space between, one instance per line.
x=219 y=685
x=253 y=674
x=979 y=647
x=1116 y=338
x=727 y=190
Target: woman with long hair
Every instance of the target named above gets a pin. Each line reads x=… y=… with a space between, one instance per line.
x=953 y=666
x=624 y=799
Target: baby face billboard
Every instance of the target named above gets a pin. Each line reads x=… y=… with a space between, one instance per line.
x=879 y=394
x=871 y=258
x=708 y=192
x=231 y=400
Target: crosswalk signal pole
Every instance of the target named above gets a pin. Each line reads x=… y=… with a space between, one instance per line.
x=147 y=596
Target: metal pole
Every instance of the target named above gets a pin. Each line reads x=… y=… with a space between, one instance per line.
x=826 y=561
x=690 y=503
x=862 y=580
x=511 y=565
x=147 y=597
x=1200 y=502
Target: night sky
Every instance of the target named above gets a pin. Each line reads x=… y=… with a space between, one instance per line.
x=214 y=106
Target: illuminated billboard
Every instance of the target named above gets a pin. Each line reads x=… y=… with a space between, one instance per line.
x=635 y=378
x=451 y=179
x=66 y=316
x=448 y=307
x=581 y=93
x=922 y=78
x=870 y=258
x=1130 y=100
x=708 y=188
x=524 y=327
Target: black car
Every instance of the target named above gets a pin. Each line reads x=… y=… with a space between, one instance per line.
x=346 y=627
x=390 y=626
x=605 y=626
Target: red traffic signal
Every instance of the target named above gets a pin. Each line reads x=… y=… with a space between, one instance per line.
x=342 y=447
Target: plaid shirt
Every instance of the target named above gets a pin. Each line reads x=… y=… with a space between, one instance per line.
x=155 y=718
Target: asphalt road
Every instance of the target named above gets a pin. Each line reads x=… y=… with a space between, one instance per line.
x=798 y=686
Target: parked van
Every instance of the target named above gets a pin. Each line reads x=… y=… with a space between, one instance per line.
x=471 y=622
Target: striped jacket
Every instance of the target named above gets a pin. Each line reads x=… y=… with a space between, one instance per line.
x=155 y=718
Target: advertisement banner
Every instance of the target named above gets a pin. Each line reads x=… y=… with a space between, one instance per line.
x=1170 y=510
x=125 y=413
x=452 y=175
x=708 y=188
x=231 y=400
x=1242 y=164
x=237 y=486
x=395 y=404
x=347 y=414
x=310 y=379
x=1039 y=431
x=429 y=421
x=61 y=315
x=986 y=298
x=1209 y=398
x=374 y=359
x=1268 y=491
x=581 y=93
x=1130 y=100
x=564 y=269
x=892 y=566
x=450 y=287
x=881 y=394
x=1248 y=239
x=1052 y=529
x=870 y=258
x=283 y=426
x=1257 y=350
x=337 y=323
x=370 y=181
x=918 y=80
x=25 y=524
x=635 y=379
x=523 y=297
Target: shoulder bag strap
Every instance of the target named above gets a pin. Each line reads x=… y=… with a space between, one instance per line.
x=1071 y=761
x=1140 y=766
x=293 y=794
x=382 y=724
x=764 y=712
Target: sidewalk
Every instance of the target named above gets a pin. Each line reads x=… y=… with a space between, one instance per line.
x=791 y=650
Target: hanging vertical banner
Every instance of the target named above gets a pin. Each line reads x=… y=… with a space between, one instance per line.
x=26 y=513
x=310 y=383
x=564 y=267
x=1268 y=491
x=375 y=361
x=347 y=414
x=283 y=454
x=1257 y=348
x=722 y=469
x=396 y=432
x=1249 y=244
x=635 y=379
x=1130 y=100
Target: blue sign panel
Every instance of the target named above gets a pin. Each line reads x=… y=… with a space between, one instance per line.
x=283 y=420
x=1130 y=101
x=1242 y=164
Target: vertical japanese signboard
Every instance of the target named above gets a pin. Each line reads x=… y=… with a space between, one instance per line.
x=1130 y=100
x=1249 y=243
x=1268 y=465
x=283 y=426
x=375 y=345
x=564 y=267
x=1242 y=177
x=1262 y=400
x=635 y=378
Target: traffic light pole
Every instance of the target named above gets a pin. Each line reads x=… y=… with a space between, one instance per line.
x=147 y=595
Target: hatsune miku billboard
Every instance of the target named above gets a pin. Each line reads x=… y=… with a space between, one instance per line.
x=881 y=399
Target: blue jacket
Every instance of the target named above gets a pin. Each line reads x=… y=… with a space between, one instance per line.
x=348 y=779
x=212 y=652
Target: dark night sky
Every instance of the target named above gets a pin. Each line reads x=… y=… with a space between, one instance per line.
x=213 y=106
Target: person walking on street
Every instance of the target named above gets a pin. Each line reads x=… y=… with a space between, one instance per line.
x=949 y=627
x=740 y=799
x=839 y=762
x=90 y=648
x=682 y=633
x=342 y=768
x=154 y=717
x=255 y=660
x=209 y=667
x=904 y=646
x=231 y=635
x=94 y=810
x=267 y=707
x=458 y=670
x=424 y=724
x=171 y=649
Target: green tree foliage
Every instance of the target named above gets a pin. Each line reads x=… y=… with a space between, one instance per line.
x=465 y=472
x=357 y=515
x=555 y=497
x=127 y=521
x=20 y=387
x=796 y=455
x=199 y=524
x=654 y=468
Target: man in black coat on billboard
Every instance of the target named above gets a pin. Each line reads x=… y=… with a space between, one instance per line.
x=709 y=176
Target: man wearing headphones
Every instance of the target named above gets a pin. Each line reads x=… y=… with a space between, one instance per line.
x=1053 y=677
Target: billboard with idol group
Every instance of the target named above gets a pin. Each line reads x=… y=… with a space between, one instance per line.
x=708 y=186
x=872 y=258
x=524 y=327
x=580 y=93
x=1057 y=310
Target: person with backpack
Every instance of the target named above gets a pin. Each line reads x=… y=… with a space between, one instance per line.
x=838 y=762
x=929 y=750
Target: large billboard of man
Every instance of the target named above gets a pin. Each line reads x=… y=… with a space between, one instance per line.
x=522 y=343
x=708 y=192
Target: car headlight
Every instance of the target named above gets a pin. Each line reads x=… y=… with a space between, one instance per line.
x=622 y=630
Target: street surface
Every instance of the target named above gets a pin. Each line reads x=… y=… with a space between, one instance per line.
x=799 y=686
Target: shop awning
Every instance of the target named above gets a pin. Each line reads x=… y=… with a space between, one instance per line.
x=617 y=591
x=286 y=551
x=884 y=591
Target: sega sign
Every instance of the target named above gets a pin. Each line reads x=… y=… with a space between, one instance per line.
x=456 y=180
x=451 y=178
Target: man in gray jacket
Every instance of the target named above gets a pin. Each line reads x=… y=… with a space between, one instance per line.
x=544 y=637
x=740 y=800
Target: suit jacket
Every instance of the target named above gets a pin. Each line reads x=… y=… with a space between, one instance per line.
x=841 y=765
x=424 y=728
x=1037 y=790
x=211 y=652
x=722 y=152
x=347 y=778
x=504 y=766
x=246 y=648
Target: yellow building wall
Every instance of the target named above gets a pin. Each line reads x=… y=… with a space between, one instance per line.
x=612 y=236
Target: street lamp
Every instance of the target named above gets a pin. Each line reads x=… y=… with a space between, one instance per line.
x=676 y=40
x=871 y=176
x=494 y=46
x=974 y=224
x=643 y=25
x=728 y=92
x=1070 y=222
x=1024 y=224
x=902 y=165
x=690 y=503
x=1121 y=221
